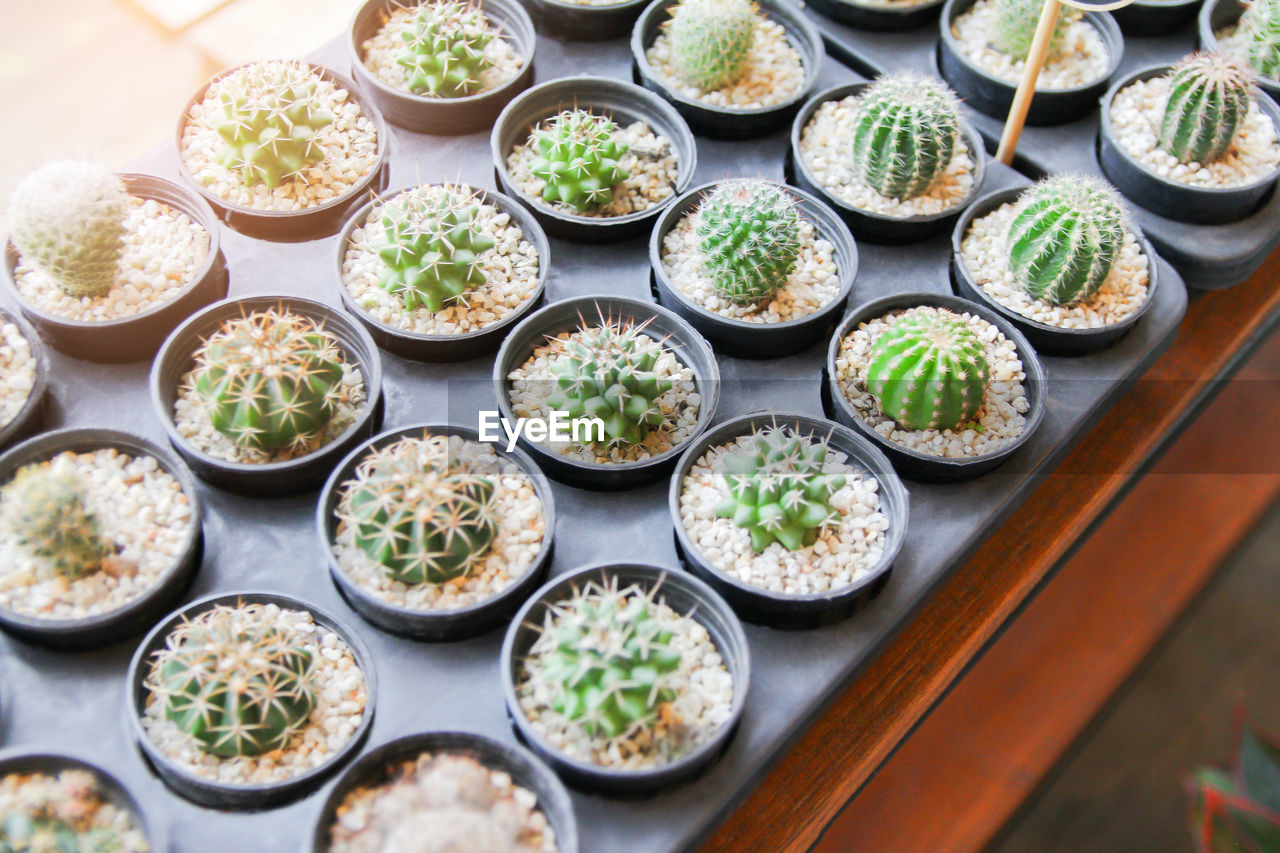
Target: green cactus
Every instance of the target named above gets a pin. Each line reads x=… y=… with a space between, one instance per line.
x=444 y=49
x=778 y=491
x=46 y=512
x=749 y=236
x=605 y=374
x=268 y=121
x=1209 y=96
x=431 y=245
x=1261 y=26
x=425 y=514
x=235 y=682
x=578 y=158
x=1064 y=238
x=928 y=370
x=905 y=134
x=25 y=833
x=271 y=379
x=1015 y=24
x=711 y=40
x=67 y=221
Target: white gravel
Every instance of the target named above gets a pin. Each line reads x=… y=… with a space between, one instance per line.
x=1081 y=59
x=77 y=799
x=17 y=371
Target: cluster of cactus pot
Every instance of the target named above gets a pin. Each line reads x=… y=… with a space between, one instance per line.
x=749 y=238
x=578 y=159
x=45 y=510
x=1209 y=97
x=444 y=49
x=1014 y=26
x=1261 y=25
x=711 y=40
x=905 y=134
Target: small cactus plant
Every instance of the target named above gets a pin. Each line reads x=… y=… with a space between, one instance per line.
x=928 y=370
x=68 y=813
x=749 y=236
x=425 y=514
x=236 y=683
x=578 y=158
x=443 y=51
x=778 y=491
x=271 y=379
x=68 y=222
x=46 y=512
x=431 y=245
x=1209 y=96
x=905 y=134
x=1064 y=238
x=711 y=40
x=268 y=119
x=1261 y=25
x=1015 y=24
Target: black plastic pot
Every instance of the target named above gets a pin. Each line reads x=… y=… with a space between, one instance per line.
x=138 y=615
x=582 y=22
x=222 y=795
x=882 y=16
x=910 y=463
x=275 y=478
x=525 y=770
x=1154 y=18
x=1176 y=200
x=445 y=116
x=292 y=226
x=1219 y=14
x=422 y=347
x=865 y=224
x=568 y=315
x=30 y=418
x=683 y=593
x=434 y=624
x=994 y=97
x=1047 y=339
x=138 y=336
x=780 y=610
x=726 y=122
x=739 y=338
x=625 y=103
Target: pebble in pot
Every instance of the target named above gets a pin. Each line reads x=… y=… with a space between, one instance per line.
x=1248 y=31
x=52 y=802
x=24 y=380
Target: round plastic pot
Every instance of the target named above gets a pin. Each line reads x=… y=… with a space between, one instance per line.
x=994 y=97
x=578 y=22
x=568 y=316
x=1219 y=14
x=30 y=418
x=524 y=768
x=224 y=795
x=454 y=624
x=910 y=463
x=418 y=346
x=779 y=610
x=1047 y=339
x=292 y=476
x=139 y=335
x=443 y=116
x=625 y=103
x=1176 y=200
x=725 y=122
x=136 y=616
x=292 y=226
x=1155 y=18
x=865 y=224
x=731 y=336
x=883 y=16
x=686 y=595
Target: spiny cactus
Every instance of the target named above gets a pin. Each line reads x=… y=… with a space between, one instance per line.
x=46 y=512
x=234 y=681
x=268 y=119
x=778 y=491
x=607 y=659
x=604 y=373
x=1064 y=238
x=1209 y=96
x=749 y=236
x=67 y=220
x=425 y=514
x=928 y=370
x=431 y=245
x=1015 y=24
x=444 y=49
x=271 y=379
x=905 y=133
x=1261 y=25
x=711 y=40
x=578 y=158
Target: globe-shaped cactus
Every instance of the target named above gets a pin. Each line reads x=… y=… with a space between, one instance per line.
x=749 y=237
x=1260 y=24
x=444 y=49
x=1209 y=96
x=905 y=134
x=578 y=159
x=1015 y=23
x=44 y=508
x=711 y=40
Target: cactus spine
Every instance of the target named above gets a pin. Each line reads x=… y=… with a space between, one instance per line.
x=711 y=40
x=928 y=370
x=444 y=49
x=45 y=509
x=1209 y=96
x=1015 y=24
x=905 y=134
x=749 y=236
x=578 y=158
x=68 y=222
x=1261 y=24
x=1064 y=238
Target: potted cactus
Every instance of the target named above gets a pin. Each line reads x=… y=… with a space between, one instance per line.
x=1249 y=31
x=733 y=68
x=760 y=270
x=24 y=379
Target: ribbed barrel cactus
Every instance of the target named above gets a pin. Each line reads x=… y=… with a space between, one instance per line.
x=444 y=49
x=237 y=684
x=711 y=40
x=67 y=219
x=45 y=509
x=1065 y=236
x=749 y=236
x=1261 y=25
x=778 y=491
x=905 y=134
x=1209 y=96
x=578 y=158
x=928 y=370
x=1015 y=24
